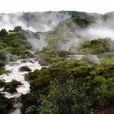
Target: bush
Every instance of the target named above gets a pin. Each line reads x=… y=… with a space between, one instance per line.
x=73 y=87
x=11 y=86
x=30 y=104
x=5 y=105
x=17 y=29
x=3 y=33
x=39 y=80
x=49 y=56
x=95 y=46
x=65 y=100
x=14 y=42
x=25 y=68
x=2 y=83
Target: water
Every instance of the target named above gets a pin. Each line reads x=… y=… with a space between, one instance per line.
x=17 y=108
x=13 y=73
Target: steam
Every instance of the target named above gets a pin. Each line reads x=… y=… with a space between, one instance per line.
x=61 y=24
x=36 y=40
x=95 y=32
x=15 y=74
x=33 y=22
x=72 y=35
x=68 y=34
x=57 y=27
x=36 y=22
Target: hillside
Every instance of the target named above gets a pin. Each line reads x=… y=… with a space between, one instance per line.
x=56 y=62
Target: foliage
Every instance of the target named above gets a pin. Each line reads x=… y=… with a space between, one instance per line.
x=3 y=33
x=96 y=46
x=2 y=62
x=39 y=80
x=2 y=83
x=14 y=43
x=17 y=29
x=73 y=87
x=49 y=55
x=11 y=86
x=65 y=100
x=81 y=21
x=30 y=104
x=81 y=18
x=5 y=105
x=25 y=68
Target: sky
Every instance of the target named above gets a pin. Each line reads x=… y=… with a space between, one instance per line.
x=92 y=6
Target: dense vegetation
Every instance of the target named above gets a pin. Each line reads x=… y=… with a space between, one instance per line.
x=66 y=86
x=10 y=86
x=96 y=46
x=49 y=55
x=70 y=87
x=82 y=19
x=13 y=43
x=5 y=105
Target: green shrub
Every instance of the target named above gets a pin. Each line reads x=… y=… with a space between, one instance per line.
x=73 y=87
x=3 y=33
x=5 y=105
x=49 y=56
x=95 y=46
x=11 y=86
x=17 y=29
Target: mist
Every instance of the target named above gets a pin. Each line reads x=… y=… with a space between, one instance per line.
x=36 y=40
x=35 y=22
x=38 y=26
x=57 y=30
x=74 y=34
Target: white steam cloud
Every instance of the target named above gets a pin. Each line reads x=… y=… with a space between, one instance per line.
x=36 y=22
x=57 y=22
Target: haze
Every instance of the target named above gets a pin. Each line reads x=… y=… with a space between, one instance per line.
x=93 y=6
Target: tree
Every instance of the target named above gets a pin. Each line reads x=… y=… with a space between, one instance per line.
x=17 y=29
x=3 y=33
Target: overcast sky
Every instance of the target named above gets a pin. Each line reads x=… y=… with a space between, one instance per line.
x=95 y=6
